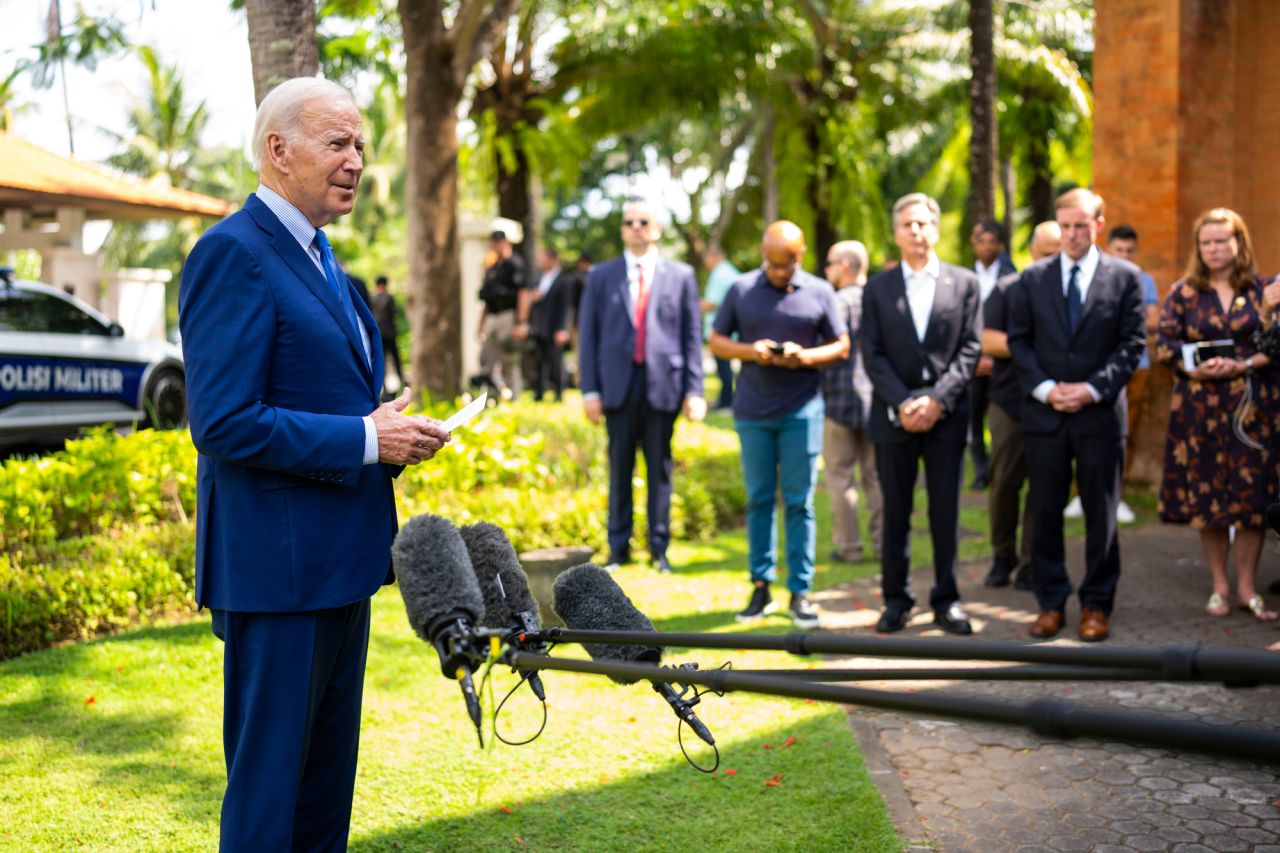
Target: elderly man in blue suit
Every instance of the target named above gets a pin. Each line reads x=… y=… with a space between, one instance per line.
x=640 y=360
x=295 y=507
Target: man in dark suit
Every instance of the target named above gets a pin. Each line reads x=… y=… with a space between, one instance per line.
x=920 y=344
x=640 y=361
x=549 y=326
x=385 y=311
x=295 y=507
x=991 y=264
x=1076 y=333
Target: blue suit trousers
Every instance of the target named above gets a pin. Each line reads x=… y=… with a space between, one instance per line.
x=293 y=684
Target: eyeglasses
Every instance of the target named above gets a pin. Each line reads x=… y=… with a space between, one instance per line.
x=832 y=263
x=635 y=223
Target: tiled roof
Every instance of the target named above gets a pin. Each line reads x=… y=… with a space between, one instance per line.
x=33 y=178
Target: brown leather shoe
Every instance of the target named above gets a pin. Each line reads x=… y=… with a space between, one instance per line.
x=1048 y=623
x=1093 y=625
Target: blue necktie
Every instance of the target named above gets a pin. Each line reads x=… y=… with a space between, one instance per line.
x=335 y=275
x=1073 y=300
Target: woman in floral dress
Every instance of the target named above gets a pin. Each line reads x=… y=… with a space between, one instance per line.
x=1221 y=467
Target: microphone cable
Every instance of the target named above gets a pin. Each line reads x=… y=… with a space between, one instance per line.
x=524 y=677
x=698 y=693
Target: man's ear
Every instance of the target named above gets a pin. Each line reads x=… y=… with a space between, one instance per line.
x=278 y=152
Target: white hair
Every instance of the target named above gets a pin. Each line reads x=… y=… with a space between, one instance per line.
x=280 y=110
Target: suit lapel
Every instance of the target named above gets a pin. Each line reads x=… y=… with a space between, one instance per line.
x=1053 y=292
x=898 y=295
x=295 y=257
x=943 y=298
x=623 y=283
x=1101 y=281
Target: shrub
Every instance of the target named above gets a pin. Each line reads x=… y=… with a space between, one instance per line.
x=99 y=537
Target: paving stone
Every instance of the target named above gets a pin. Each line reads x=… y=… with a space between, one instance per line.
x=985 y=787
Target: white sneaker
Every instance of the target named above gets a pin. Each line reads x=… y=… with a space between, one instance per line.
x=1124 y=515
x=1074 y=509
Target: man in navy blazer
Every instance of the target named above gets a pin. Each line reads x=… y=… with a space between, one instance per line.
x=640 y=362
x=295 y=512
x=920 y=344
x=1077 y=332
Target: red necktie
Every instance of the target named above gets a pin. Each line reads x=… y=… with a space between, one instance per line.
x=642 y=305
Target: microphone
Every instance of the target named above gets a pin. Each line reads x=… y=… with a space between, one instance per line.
x=508 y=603
x=587 y=598
x=441 y=598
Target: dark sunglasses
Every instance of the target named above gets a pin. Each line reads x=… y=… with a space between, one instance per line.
x=635 y=222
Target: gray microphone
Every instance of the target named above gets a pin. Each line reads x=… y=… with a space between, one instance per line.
x=588 y=598
x=508 y=604
x=441 y=598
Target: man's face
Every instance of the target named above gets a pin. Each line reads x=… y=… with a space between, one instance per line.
x=640 y=228
x=1123 y=247
x=916 y=234
x=548 y=261
x=322 y=166
x=837 y=271
x=1079 y=230
x=780 y=263
x=986 y=246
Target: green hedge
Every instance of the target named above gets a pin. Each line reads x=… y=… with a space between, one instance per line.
x=99 y=537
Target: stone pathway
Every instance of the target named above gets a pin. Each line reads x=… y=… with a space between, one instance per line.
x=960 y=786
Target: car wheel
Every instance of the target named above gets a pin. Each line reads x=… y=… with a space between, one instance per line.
x=166 y=400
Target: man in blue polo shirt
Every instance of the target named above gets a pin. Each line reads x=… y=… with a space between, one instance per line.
x=788 y=327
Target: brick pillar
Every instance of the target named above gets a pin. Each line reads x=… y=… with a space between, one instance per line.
x=1184 y=97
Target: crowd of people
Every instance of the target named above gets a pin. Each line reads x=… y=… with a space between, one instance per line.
x=918 y=364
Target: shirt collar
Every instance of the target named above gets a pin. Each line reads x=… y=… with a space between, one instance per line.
x=932 y=268
x=290 y=217
x=982 y=269
x=1088 y=265
x=649 y=259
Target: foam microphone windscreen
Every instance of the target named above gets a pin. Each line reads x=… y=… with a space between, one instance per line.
x=503 y=583
x=587 y=598
x=434 y=573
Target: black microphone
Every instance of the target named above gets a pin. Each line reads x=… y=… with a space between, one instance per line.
x=508 y=604
x=587 y=598
x=441 y=598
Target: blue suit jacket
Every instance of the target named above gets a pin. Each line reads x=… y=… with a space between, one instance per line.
x=287 y=517
x=673 y=335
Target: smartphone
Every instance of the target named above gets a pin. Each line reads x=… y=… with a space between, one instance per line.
x=776 y=349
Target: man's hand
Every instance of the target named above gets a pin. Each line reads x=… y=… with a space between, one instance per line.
x=985 y=363
x=919 y=414
x=764 y=350
x=594 y=409
x=561 y=337
x=406 y=440
x=695 y=408
x=520 y=332
x=1070 y=397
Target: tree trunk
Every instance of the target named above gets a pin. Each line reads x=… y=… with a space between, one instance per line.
x=1008 y=178
x=282 y=42
x=767 y=157
x=516 y=201
x=824 y=232
x=982 y=112
x=434 y=299
x=1040 y=193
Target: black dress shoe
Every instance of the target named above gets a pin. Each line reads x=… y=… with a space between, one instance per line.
x=1274 y=588
x=662 y=566
x=1001 y=569
x=891 y=621
x=979 y=483
x=953 y=620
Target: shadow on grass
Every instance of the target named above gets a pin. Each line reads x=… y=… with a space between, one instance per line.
x=678 y=808
x=134 y=754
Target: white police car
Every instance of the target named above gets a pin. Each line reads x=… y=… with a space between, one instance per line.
x=64 y=366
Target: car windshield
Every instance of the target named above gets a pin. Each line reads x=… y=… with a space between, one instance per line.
x=24 y=311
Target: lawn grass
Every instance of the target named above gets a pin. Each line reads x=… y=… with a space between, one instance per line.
x=116 y=744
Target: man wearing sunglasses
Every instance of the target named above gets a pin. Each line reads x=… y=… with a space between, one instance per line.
x=640 y=338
